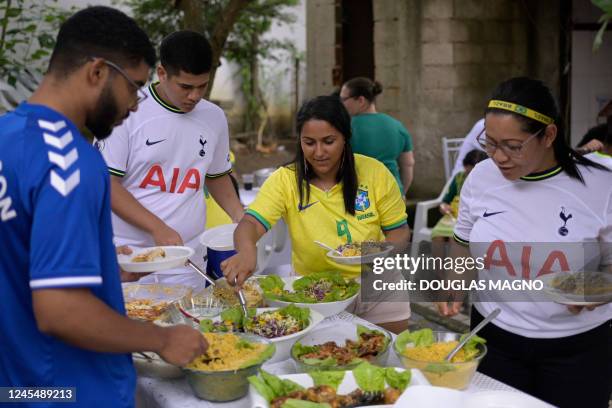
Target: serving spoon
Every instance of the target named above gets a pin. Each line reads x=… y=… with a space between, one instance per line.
x=476 y=329
x=322 y=245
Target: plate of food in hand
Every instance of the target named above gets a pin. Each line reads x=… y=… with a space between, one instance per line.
x=357 y=253
x=154 y=259
x=579 y=288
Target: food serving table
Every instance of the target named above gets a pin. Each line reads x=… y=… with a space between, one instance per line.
x=156 y=393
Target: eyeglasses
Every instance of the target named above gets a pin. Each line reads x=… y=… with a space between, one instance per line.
x=140 y=94
x=510 y=148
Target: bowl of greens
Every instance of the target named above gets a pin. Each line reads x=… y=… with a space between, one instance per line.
x=426 y=349
x=341 y=347
x=281 y=326
x=325 y=292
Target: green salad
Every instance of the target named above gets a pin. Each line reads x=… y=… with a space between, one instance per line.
x=369 y=344
x=314 y=288
x=376 y=385
x=270 y=324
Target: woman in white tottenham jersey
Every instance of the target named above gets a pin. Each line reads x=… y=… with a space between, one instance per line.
x=528 y=208
x=162 y=155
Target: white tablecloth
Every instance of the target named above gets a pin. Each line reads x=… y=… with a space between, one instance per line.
x=154 y=393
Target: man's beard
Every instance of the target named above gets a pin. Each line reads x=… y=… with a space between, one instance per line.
x=104 y=116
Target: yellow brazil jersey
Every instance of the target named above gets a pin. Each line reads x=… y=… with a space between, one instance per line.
x=378 y=207
x=215 y=215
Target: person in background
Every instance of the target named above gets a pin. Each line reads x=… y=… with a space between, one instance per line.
x=536 y=191
x=64 y=323
x=327 y=194
x=596 y=145
x=469 y=143
x=378 y=135
x=443 y=230
x=160 y=157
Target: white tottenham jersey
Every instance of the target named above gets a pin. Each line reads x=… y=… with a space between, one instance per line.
x=600 y=158
x=527 y=228
x=163 y=156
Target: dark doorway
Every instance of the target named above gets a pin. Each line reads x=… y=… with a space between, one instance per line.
x=356 y=44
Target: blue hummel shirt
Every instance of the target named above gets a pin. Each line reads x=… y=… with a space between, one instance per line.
x=55 y=232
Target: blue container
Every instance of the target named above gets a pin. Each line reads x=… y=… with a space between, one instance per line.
x=213 y=266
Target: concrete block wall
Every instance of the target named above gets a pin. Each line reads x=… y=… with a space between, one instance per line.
x=439 y=60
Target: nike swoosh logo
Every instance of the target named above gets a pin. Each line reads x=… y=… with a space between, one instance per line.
x=486 y=214
x=152 y=143
x=300 y=208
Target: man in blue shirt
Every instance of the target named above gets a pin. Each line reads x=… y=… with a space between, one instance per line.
x=64 y=323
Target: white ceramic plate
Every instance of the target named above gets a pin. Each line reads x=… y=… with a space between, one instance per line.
x=325 y=308
x=440 y=397
x=283 y=344
x=348 y=385
x=570 y=299
x=358 y=260
x=176 y=256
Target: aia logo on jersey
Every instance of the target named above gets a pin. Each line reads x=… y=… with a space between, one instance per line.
x=203 y=143
x=565 y=217
x=179 y=183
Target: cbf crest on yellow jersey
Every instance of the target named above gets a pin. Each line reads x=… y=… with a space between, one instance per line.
x=378 y=207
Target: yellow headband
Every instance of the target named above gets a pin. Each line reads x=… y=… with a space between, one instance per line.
x=521 y=110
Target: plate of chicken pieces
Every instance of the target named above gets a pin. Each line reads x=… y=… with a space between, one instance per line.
x=154 y=259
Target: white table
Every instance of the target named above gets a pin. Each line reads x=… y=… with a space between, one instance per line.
x=154 y=393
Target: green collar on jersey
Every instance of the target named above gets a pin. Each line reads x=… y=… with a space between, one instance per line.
x=163 y=103
x=543 y=175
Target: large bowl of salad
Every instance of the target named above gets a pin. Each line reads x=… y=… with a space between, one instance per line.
x=326 y=292
x=281 y=326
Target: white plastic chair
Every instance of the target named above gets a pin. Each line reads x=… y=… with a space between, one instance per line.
x=421 y=231
x=450 y=151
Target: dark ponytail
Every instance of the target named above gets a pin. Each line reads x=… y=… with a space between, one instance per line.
x=331 y=110
x=362 y=86
x=535 y=95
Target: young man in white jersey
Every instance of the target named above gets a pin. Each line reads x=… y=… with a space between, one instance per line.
x=161 y=157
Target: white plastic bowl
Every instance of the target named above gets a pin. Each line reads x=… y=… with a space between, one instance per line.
x=325 y=308
x=283 y=344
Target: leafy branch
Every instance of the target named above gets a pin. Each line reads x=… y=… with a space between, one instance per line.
x=606 y=7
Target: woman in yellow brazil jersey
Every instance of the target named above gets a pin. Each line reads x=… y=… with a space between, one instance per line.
x=327 y=194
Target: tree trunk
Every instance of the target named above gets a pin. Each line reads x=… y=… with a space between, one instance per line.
x=221 y=31
x=193 y=20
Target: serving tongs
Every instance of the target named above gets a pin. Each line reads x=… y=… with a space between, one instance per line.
x=240 y=294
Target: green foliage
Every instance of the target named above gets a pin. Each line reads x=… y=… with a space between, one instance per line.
x=606 y=7
x=245 y=45
x=25 y=39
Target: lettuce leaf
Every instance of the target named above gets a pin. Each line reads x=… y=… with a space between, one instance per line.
x=279 y=386
x=263 y=356
x=301 y=314
x=423 y=337
x=270 y=282
x=472 y=346
x=370 y=377
x=262 y=387
x=300 y=349
x=206 y=326
x=439 y=368
x=294 y=403
x=271 y=386
x=331 y=378
x=397 y=379
x=363 y=329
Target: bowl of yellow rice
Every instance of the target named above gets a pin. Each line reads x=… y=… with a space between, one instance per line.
x=426 y=350
x=221 y=373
